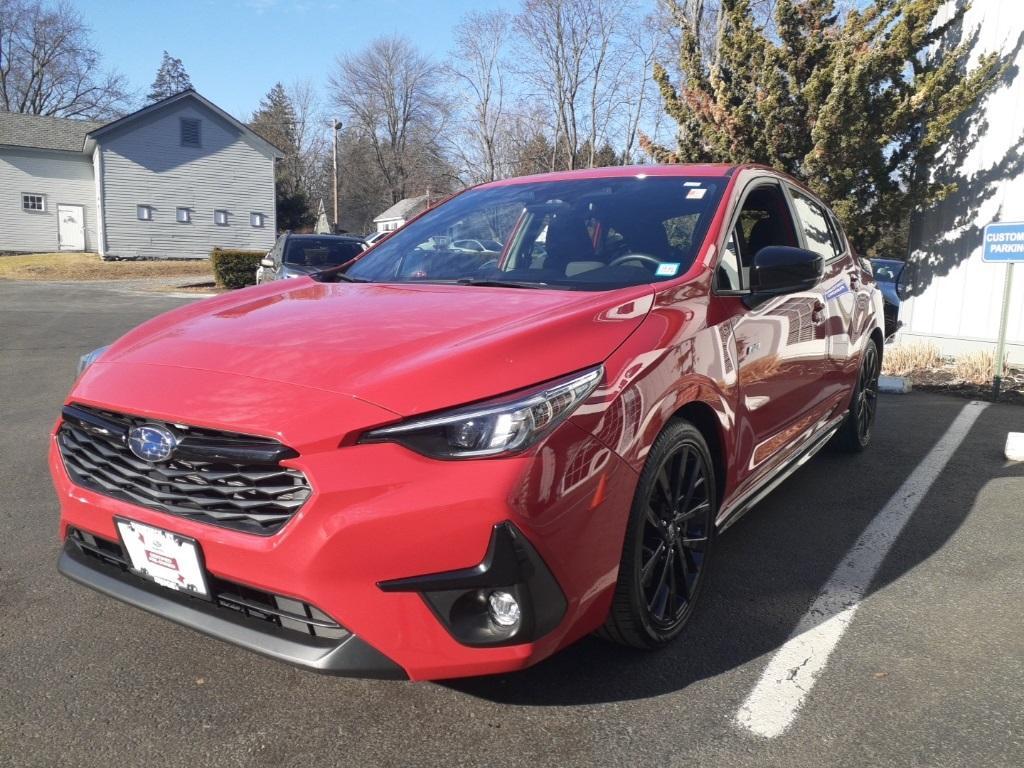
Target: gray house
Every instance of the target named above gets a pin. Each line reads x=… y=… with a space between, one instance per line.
x=172 y=180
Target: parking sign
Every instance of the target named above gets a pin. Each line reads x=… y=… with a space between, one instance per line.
x=1004 y=242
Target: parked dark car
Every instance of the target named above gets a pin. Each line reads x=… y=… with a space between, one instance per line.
x=887 y=276
x=302 y=255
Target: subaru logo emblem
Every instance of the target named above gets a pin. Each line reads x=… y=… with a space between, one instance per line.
x=151 y=442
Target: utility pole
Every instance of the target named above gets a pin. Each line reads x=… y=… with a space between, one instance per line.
x=336 y=125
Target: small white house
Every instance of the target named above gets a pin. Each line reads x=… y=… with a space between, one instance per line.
x=399 y=213
x=172 y=180
x=959 y=298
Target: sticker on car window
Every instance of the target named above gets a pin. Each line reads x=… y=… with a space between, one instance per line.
x=695 y=194
x=836 y=291
x=691 y=183
x=667 y=269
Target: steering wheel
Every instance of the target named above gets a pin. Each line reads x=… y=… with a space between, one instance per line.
x=635 y=257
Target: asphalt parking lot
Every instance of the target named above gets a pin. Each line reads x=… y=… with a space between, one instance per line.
x=930 y=670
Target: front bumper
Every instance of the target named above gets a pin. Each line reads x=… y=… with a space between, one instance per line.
x=351 y=657
x=379 y=516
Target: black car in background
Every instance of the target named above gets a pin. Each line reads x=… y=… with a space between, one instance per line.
x=887 y=277
x=299 y=255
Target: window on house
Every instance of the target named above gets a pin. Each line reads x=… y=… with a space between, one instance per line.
x=190 y=132
x=144 y=213
x=183 y=215
x=257 y=219
x=220 y=218
x=33 y=202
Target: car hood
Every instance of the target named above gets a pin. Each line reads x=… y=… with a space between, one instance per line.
x=406 y=348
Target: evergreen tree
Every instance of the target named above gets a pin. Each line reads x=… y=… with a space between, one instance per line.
x=171 y=78
x=275 y=121
x=859 y=107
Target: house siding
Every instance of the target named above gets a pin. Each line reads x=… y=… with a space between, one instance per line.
x=64 y=177
x=959 y=307
x=145 y=164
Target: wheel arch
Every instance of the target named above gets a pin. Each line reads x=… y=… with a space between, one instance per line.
x=706 y=420
x=878 y=337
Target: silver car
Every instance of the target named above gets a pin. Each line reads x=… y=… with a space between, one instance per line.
x=300 y=255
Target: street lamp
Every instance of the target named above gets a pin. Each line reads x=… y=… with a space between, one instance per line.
x=336 y=125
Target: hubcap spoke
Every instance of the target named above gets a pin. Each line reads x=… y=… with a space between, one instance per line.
x=690 y=514
x=648 y=568
x=666 y=487
x=678 y=474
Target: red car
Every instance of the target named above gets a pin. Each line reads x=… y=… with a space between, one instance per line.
x=430 y=462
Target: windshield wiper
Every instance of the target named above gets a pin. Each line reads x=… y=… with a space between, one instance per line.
x=500 y=283
x=339 y=276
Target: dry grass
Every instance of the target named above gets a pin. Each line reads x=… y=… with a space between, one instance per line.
x=975 y=367
x=906 y=358
x=89 y=266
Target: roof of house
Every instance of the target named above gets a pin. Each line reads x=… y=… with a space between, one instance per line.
x=69 y=135
x=186 y=94
x=403 y=209
x=43 y=132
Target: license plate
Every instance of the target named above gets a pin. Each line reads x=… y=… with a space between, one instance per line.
x=167 y=558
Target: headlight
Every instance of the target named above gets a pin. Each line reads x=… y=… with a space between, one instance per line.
x=89 y=358
x=498 y=427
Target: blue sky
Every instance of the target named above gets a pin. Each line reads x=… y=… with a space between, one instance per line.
x=235 y=50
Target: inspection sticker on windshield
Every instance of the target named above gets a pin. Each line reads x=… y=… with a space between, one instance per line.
x=695 y=194
x=668 y=269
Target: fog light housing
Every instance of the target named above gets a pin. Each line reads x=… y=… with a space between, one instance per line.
x=510 y=597
x=504 y=609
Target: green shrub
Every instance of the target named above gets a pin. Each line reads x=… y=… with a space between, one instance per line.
x=234 y=268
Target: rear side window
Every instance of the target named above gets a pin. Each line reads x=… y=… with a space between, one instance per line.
x=320 y=252
x=815 y=225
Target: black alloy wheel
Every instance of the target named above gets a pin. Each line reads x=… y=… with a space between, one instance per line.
x=668 y=541
x=855 y=434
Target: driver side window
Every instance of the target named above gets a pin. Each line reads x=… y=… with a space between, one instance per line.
x=763 y=220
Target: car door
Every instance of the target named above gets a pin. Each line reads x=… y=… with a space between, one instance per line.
x=840 y=282
x=780 y=343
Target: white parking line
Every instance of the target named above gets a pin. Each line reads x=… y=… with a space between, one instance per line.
x=773 y=704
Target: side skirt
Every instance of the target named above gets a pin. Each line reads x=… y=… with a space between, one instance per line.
x=755 y=495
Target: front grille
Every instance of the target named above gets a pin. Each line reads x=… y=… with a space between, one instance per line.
x=221 y=478
x=268 y=609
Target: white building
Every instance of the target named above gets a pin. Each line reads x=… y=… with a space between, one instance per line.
x=174 y=179
x=958 y=302
x=399 y=213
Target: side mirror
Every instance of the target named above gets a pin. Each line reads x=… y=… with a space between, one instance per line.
x=267 y=262
x=780 y=269
x=906 y=281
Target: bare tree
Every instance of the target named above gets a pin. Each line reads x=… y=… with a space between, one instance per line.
x=48 y=65
x=311 y=139
x=638 y=104
x=478 y=69
x=555 y=39
x=390 y=94
x=576 y=58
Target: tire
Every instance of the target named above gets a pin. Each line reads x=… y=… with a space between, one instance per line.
x=655 y=594
x=855 y=433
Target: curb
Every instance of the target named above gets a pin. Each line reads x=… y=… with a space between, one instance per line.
x=1015 y=446
x=894 y=385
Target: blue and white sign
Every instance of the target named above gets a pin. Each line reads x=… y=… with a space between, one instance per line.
x=1004 y=242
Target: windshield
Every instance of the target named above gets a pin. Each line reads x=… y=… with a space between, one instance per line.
x=583 y=234
x=320 y=252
